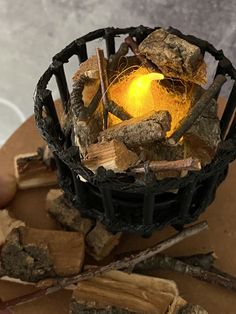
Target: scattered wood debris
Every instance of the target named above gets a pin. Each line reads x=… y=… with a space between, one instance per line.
x=112 y=155
x=32 y=171
x=68 y=216
x=7 y=224
x=33 y=254
x=100 y=242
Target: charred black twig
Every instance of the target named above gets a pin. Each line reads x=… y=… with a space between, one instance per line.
x=206 y=100
x=118 y=111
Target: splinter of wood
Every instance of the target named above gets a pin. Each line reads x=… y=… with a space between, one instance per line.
x=188 y=164
x=134 y=47
x=104 y=84
x=194 y=113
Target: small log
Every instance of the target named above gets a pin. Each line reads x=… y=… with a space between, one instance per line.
x=100 y=242
x=138 y=131
x=119 y=292
x=32 y=172
x=33 y=254
x=206 y=100
x=188 y=164
x=174 y=56
x=7 y=224
x=68 y=216
x=104 y=83
x=112 y=155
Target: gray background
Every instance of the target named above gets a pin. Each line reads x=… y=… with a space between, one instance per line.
x=31 y=31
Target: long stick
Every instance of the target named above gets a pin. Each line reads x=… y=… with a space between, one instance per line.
x=206 y=100
x=104 y=83
x=165 y=165
x=170 y=263
x=125 y=263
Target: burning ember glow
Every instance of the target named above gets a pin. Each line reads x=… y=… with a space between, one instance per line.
x=141 y=92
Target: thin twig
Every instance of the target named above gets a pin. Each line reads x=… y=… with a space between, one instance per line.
x=118 y=111
x=188 y=164
x=173 y=264
x=104 y=83
x=125 y=263
x=205 y=101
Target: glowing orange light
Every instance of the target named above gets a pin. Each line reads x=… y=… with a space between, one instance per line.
x=139 y=91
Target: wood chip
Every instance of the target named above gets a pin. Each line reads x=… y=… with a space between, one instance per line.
x=68 y=216
x=100 y=242
x=32 y=172
x=112 y=155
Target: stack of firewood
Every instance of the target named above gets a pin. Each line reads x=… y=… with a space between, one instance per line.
x=147 y=139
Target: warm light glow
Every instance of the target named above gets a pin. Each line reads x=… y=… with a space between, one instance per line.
x=141 y=92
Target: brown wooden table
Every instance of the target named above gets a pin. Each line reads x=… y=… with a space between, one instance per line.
x=221 y=237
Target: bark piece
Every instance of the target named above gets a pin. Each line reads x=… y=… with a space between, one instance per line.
x=86 y=67
x=33 y=254
x=112 y=155
x=100 y=242
x=206 y=101
x=68 y=216
x=203 y=138
x=7 y=224
x=174 y=56
x=119 y=292
x=32 y=172
x=192 y=309
x=142 y=130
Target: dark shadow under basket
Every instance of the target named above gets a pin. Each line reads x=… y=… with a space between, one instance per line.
x=120 y=201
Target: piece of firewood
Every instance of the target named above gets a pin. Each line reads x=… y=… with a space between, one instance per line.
x=32 y=254
x=174 y=56
x=100 y=242
x=32 y=172
x=206 y=100
x=7 y=224
x=112 y=155
x=68 y=216
x=142 y=130
x=125 y=263
x=115 y=59
x=188 y=164
x=118 y=291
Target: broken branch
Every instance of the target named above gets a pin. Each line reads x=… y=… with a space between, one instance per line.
x=188 y=164
x=204 y=102
x=171 y=263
